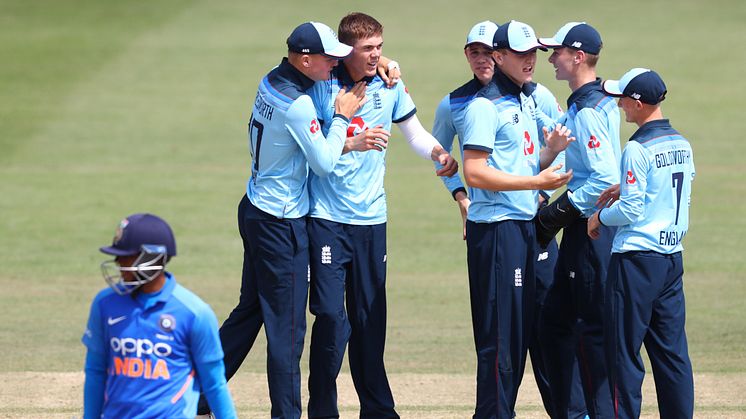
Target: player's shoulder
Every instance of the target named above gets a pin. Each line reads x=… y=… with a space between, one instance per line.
x=190 y=301
x=106 y=296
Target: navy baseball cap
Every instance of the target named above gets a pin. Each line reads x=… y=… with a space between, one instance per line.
x=141 y=229
x=517 y=37
x=640 y=84
x=578 y=35
x=317 y=38
x=481 y=33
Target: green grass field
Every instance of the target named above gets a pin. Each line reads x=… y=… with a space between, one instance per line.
x=110 y=108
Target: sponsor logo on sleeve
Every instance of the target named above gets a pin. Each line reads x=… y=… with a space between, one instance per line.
x=631 y=179
x=314 y=126
x=594 y=142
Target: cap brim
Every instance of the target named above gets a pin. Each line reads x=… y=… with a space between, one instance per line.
x=109 y=250
x=529 y=48
x=611 y=87
x=339 y=51
x=550 y=42
x=488 y=45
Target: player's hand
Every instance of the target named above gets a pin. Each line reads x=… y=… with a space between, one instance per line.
x=448 y=163
x=608 y=196
x=593 y=224
x=371 y=139
x=549 y=178
x=463 y=205
x=389 y=71
x=347 y=103
x=558 y=139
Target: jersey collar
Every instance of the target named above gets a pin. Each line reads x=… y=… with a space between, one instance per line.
x=584 y=90
x=293 y=75
x=161 y=296
x=345 y=79
x=644 y=132
x=506 y=85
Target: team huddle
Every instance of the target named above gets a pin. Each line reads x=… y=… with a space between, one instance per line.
x=313 y=224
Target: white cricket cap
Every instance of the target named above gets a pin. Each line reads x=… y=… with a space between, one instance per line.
x=481 y=33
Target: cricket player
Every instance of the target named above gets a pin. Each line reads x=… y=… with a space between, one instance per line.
x=449 y=122
x=645 y=295
x=347 y=231
x=152 y=344
x=580 y=274
x=502 y=164
x=285 y=141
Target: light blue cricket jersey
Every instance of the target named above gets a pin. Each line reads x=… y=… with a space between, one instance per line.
x=449 y=122
x=502 y=121
x=285 y=139
x=151 y=350
x=657 y=171
x=593 y=117
x=353 y=193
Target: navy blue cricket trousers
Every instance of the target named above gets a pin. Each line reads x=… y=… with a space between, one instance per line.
x=348 y=300
x=500 y=258
x=546 y=260
x=645 y=304
x=572 y=320
x=274 y=290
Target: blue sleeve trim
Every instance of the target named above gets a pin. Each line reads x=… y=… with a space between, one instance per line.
x=339 y=115
x=405 y=117
x=477 y=148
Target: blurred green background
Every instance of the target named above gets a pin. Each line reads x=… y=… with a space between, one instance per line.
x=109 y=108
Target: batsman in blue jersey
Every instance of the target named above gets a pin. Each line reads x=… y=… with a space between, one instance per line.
x=645 y=294
x=347 y=231
x=449 y=122
x=502 y=166
x=286 y=143
x=152 y=344
x=572 y=319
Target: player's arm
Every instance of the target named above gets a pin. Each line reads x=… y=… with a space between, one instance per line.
x=301 y=121
x=389 y=71
x=481 y=123
x=556 y=140
x=444 y=132
x=425 y=145
x=207 y=358
x=597 y=152
x=95 y=364
x=631 y=203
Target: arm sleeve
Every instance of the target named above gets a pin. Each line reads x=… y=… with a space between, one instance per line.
x=631 y=203
x=444 y=132
x=95 y=384
x=599 y=159
x=215 y=388
x=480 y=125
x=322 y=153
x=207 y=356
x=421 y=141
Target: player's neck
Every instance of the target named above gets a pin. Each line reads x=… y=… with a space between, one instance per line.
x=154 y=285
x=354 y=73
x=582 y=77
x=654 y=115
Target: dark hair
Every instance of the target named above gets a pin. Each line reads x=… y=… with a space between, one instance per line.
x=356 y=26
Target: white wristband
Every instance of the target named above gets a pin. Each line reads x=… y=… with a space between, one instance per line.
x=392 y=65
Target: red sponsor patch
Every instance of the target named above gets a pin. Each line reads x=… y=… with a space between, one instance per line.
x=314 y=126
x=528 y=145
x=593 y=142
x=357 y=125
x=406 y=90
x=631 y=179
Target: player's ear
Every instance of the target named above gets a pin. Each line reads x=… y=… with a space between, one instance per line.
x=579 y=56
